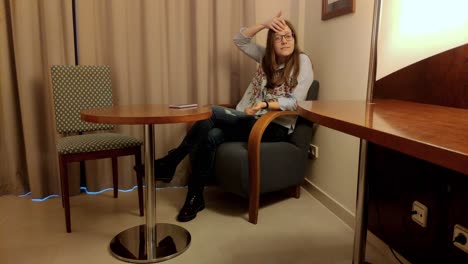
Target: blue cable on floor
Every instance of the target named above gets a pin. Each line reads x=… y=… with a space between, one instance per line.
x=91 y=193
x=108 y=189
x=43 y=199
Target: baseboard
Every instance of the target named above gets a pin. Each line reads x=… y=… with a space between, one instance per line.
x=338 y=209
x=348 y=218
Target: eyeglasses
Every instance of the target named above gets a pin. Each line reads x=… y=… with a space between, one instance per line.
x=288 y=37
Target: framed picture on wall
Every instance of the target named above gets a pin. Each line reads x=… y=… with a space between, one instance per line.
x=334 y=8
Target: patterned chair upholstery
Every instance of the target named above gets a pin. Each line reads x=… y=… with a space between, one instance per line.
x=82 y=87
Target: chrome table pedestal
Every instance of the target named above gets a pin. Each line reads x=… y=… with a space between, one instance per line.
x=130 y=245
x=152 y=242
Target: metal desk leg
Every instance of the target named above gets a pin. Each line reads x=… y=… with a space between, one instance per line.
x=360 y=230
x=151 y=242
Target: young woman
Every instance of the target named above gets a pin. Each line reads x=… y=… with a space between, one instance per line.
x=282 y=79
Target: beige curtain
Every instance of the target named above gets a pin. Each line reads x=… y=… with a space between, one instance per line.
x=34 y=35
x=172 y=51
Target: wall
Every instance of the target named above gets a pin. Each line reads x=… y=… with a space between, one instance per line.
x=339 y=49
x=417 y=29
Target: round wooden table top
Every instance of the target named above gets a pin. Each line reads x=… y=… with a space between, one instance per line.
x=145 y=114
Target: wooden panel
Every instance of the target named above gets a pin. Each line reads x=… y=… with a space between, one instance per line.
x=395 y=181
x=441 y=79
x=457 y=215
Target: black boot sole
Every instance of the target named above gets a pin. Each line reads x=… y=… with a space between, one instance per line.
x=190 y=217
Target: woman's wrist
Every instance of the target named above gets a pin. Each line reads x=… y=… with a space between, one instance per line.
x=253 y=30
x=267 y=105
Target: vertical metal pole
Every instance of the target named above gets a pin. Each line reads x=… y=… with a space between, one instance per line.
x=75 y=43
x=83 y=182
x=373 y=51
x=75 y=33
x=150 y=214
x=360 y=230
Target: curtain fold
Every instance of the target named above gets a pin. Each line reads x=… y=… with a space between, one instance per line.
x=172 y=51
x=37 y=36
x=13 y=167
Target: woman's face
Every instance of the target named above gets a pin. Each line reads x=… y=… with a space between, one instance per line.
x=283 y=44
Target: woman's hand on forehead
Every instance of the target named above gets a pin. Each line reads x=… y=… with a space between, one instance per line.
x=277 y=23
x=285 y=31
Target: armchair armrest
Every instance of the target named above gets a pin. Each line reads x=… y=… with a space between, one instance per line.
x=253 y=149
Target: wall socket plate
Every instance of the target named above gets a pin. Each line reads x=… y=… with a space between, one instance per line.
x=457 y=230
x=313 y=151
x=420 y=217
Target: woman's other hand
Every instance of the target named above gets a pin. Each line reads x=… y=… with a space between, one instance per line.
x=254 y=109
x=249 y=111
x=276 y=23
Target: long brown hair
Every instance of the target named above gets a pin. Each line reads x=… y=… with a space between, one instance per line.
x=270 y=65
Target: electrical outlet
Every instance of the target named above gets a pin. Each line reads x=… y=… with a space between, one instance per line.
x=420 y=215
x=460 y=235
x=313 y=151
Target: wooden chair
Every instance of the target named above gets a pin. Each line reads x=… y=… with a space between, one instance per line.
x=253 y=168
x=82 y=87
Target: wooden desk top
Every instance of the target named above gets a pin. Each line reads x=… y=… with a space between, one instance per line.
x=145 y=114
x=433 y=133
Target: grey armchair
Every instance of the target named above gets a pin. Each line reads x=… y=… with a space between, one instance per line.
x=253 y=168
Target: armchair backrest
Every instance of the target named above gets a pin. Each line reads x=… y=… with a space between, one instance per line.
x=77 y=88
x=302 y=134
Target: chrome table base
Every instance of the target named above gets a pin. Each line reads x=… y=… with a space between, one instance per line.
x=130 y=245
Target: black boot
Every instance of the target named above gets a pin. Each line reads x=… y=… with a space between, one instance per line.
x=194 y=203
x=164 y=169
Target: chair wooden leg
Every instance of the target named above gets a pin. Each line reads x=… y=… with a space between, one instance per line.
x=115 y=177
x=62 y=187
x=254 y=202
x=293 y=191
x=296 y=191
x=65 y=193
x=63 y=202
x=139 y=175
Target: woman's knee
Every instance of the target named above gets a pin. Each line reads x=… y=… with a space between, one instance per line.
x=226 y=116
x=215 y=137
x=217 y=112
x=202 y=125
